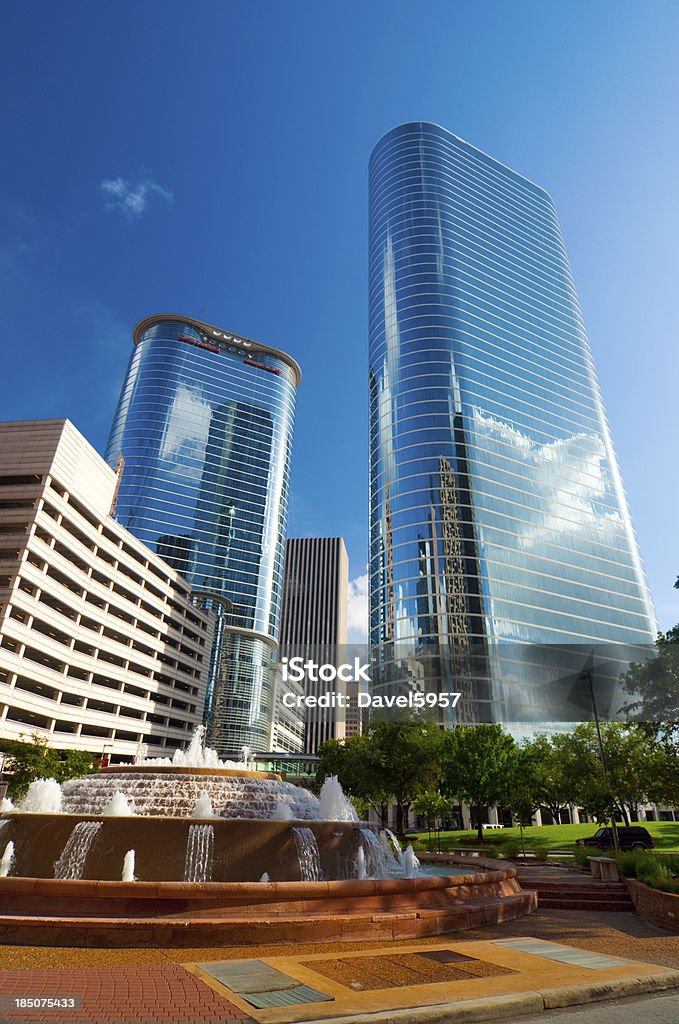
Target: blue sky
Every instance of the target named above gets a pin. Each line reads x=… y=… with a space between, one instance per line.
x=212 y=159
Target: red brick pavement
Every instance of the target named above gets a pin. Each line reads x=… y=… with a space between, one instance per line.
x=158 y=994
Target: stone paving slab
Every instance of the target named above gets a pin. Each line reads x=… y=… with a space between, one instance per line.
x=563 y=954
x=245 y=976
x=524 y=982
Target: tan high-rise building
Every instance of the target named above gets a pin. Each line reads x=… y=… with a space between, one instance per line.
x=101 y=645
x=314 y=620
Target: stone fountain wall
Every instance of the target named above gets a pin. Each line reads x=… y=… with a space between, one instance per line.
x=240 y=850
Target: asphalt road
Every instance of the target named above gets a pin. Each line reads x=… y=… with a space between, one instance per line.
x=650 y=1009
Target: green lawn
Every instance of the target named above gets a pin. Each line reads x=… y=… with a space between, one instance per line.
x=542 y=838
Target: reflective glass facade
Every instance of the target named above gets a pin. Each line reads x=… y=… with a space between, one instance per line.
x=497 y=509
x=204 y=424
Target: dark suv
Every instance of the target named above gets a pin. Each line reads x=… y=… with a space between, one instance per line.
x=632 y=837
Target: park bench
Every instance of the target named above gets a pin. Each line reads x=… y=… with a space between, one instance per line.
x=603 y=868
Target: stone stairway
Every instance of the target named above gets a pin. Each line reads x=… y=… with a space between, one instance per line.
x=561 y=889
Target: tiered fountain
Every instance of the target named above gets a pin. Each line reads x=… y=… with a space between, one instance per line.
x=200 y=851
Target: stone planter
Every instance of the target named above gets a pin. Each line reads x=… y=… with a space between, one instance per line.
x=660 y=908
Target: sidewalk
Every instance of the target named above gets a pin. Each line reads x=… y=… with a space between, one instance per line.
x=435 y=979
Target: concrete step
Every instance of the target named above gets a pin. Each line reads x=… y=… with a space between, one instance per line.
x=600 y=887
x=551 y=903
x=360 y=925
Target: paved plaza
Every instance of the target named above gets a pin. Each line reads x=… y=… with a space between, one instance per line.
x=581 y=955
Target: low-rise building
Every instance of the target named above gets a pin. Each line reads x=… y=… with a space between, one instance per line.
x=102 y=645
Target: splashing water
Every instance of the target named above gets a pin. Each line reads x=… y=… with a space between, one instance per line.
x=397 y=851
x=308 y=854
x=411 y=864
x=7 y=860
x=392 y=862
x=71 y=863
x=199 y=853
x=43 y=797
x=165 y=795
x=118 y=806
x=203 y=808
x=265 y=877
x=361 y=868
x=282 y=812
x=6 y=805
x=196 y=755
x=128 y=867
x=375 y=861
x=334 y=805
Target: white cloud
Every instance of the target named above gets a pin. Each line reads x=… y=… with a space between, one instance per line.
x=357 y=610
x=132 y=197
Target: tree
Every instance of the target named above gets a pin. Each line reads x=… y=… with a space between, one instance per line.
x=632 y=758
x=73 y=764
x=477 y=766
x=552 y=770
x=654 y=686
x=28 y=761
x=434 y=808
x=665 y=786
x=524 y=792
x=408 y=757
x=394 y=761
x=356 y=765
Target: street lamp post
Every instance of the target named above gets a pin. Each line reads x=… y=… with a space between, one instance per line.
x=589 y=675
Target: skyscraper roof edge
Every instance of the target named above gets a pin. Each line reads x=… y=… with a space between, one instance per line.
x=217 y=333
x=477 y=149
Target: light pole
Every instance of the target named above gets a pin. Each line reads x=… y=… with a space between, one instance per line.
x=589 y=675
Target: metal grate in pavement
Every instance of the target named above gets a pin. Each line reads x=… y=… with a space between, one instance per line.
x=286 y=997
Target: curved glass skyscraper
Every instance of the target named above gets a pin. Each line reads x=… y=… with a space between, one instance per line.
x=204 y=425
x=497 y=510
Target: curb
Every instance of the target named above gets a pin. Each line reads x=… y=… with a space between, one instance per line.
x=514 y=1004
x=572 y=995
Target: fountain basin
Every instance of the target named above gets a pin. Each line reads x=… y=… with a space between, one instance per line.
x=41 y=911
x=193 y=880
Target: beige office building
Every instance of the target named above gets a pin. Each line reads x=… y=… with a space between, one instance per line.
x=101 y=645
x=314 y=621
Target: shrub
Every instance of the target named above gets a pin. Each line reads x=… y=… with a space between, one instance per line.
x=581 y=856
x=668 y=885
x=651 y=869
x=510 y=848
x=627 y=862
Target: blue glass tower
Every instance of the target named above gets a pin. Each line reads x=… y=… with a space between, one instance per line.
x=497 y=510
x=204 y=425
